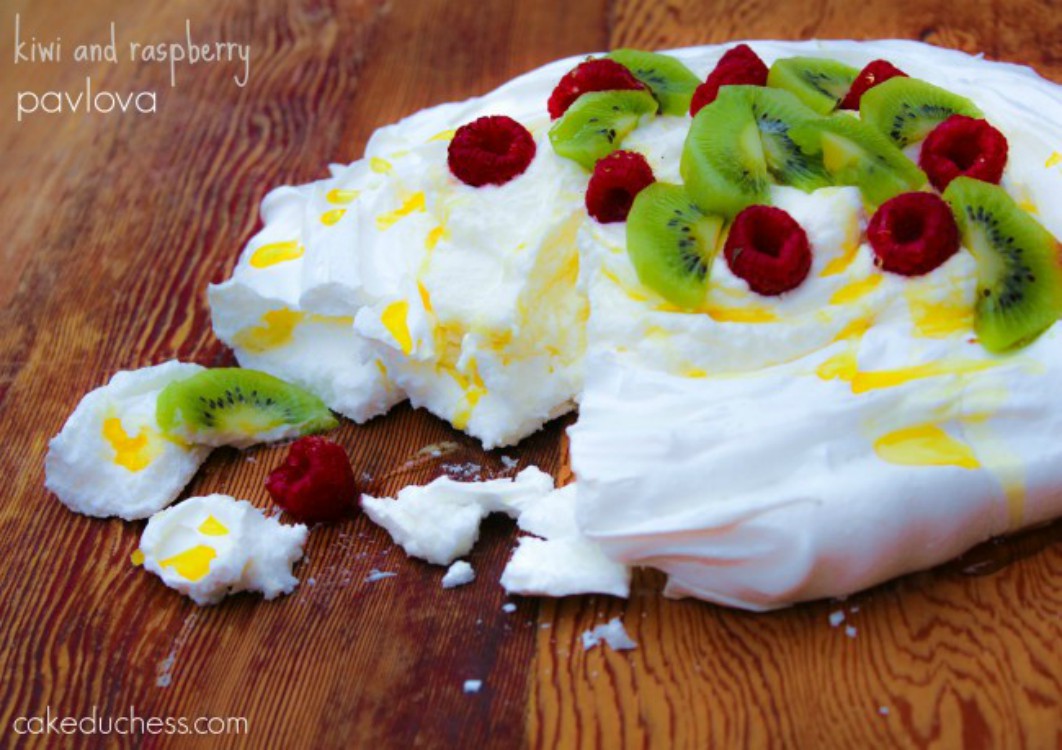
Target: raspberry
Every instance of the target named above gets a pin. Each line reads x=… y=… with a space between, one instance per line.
x=316 y=482
x=875 y=72
x=739 y=66
x=616 y=180
x=963 y=146
x=913 y=233
x=599 y=74
x=490 y=151
x=768 y=249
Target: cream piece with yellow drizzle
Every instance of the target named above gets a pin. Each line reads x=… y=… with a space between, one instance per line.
x=260 y=313
x=212 y=546
x=110 y=459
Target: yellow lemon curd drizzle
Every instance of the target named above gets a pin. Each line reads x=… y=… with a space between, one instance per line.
x=132 y=452
x=474 y=388
x=275 y=330
x=137 y=558
x=213 y=527
x=1053 y=159
x=380 y=166
x=844 y=366
x=192 y=564
x=443 y=135
x=275 y=253
x=329 y=218
x=415 y=202
x=937 y=320
x=434 y=236
x=856 y=290
x=394 y=319
x=849 y=251
x=924 y=445
x=341 y=196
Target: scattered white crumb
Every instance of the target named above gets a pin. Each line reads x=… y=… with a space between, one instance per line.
x=311 y=581
x=164 y=680
x=850 y=631
x=378 y=575
x=509 y=462
x=473 y=686
x=836 y=618
x=458 y=574
x=545 y=626
x=466 y=472
x=509 y=607
x=251 y=460
x=883 y=710
x=612 y=633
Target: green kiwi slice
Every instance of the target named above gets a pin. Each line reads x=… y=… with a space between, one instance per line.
x=907 y=109
x=596 y=124
x=1019 y=267
x=776 y=111
x=856 y=154
x=234 y=406
x=818 y=82
x=723 y=164
x=672 y=243
x=671 y=82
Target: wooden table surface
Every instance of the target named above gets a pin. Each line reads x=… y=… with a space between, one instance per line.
x=114 y=224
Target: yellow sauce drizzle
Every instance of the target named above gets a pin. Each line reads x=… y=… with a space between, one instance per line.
x=850 y=249
x=434 y=236
x=132 y=453
x=855 y=290
x=341 y=196
x=380 y=166
x=1053 y=159
x=844 y=366
x=276 y=330
x=722 y=314
x=192 y=564
x=444 y=135
x=474 y=388
x=394 y=320
x=425 y=298
x=413 y=203
x=137 y=558
x=924 y=445
x=213 y=527
x=939 y=320
x=329 y=218
x=276 y=252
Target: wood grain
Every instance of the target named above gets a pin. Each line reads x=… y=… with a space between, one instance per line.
x=115 y=224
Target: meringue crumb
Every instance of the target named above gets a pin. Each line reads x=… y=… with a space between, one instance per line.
x=836 y=618
x=472 y=686
x=850 y=631
x=883 y=710
x=612 y=633
x=509 y=607
x=458 y=574
x=378 y=575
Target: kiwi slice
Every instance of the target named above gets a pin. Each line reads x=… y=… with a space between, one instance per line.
x=776 y=111
x=234 y=406
x=1019 y=266
x=856 y=154
x=596 y=124
x=671 y=82
x=672 y=243
x=723 y=164
x=907 y=109
x=817 y=81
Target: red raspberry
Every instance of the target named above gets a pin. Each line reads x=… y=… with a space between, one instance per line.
x=963 y=146
x=599 y=74
x=490 y=151
x=316 y=482
x=739 y=66
x=768 y=249
x=875 y=72
x=616 y=180
x=913 y=233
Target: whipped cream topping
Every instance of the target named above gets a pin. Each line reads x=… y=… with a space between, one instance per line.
x=111 y=458
x=497 y=308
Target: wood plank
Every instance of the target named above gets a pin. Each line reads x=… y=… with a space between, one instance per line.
x=116 y=225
